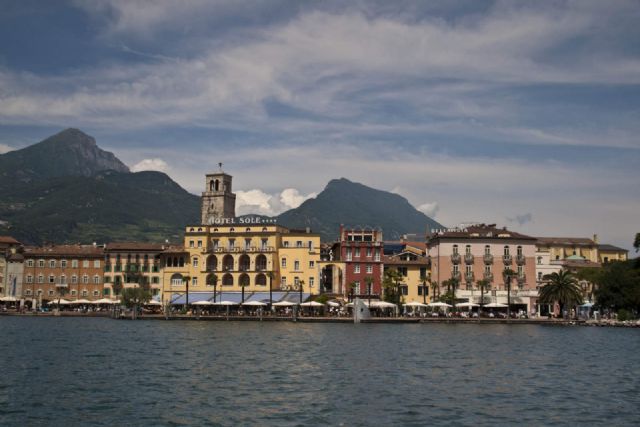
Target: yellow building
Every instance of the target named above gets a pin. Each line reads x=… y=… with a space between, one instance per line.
x=413 y=266
x=230 y=255
x=610 y=253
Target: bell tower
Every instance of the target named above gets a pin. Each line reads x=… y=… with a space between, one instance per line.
x=217 y=200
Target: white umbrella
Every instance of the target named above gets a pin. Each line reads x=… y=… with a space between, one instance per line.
x=80 y=301
x=62 y=302
x=153 y=302
x=496 y=305
x=439 y=304
x=202 y=303
x=312 y=304
x=415 y=304
x=102 y=301
x=382 y=304
x=284 y=304
x=467 y=304
x=254 y=303
x=334 y=303
x=225 y=303
x=8 y=299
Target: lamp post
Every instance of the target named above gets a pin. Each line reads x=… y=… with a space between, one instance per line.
x=508 y=273
x=301 y=284
x=270 y=274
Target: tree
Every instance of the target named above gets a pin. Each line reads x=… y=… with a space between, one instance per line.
x=562 y=288
x=423 y=279
x=391 y=284
x=435 y=291
x=619 y=286
x=212 y=280
x=117 y=288
x=301 y=287
x=450 y=296
x=186 y=279
x=62 y=291
x=484 y=285
x=636 y=242
x=508 y=274
x=134 y=298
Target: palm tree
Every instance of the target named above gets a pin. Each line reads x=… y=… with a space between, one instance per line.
x=301 y=286
x=451 y=285
x=212 y=280
x=483 y=285
x=186 y=280
x=392 y=278
x=508 y=273
x=561 y=287
x=423 y=279
x=435 y=291
x=62 y=291
x=369 y=281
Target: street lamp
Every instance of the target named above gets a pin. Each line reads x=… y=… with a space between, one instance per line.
x=270 y=274
x=508 y=273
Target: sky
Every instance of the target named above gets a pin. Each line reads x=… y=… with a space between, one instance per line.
x=520 y=113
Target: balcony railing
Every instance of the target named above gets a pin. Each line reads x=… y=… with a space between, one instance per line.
x=469 y=277
x=468 y=258
x=522 y=278
x=487 y=276
x=455 y=275
x=488 y=258
x=506 y=259
x=520 y=259
x=455 y=258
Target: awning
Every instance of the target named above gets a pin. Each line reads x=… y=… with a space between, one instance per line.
x=254 y=303
x=496 y=305
x=312 y=304
x=415 y=304
x=80 y=301
x=202 y=303
x=439 y=304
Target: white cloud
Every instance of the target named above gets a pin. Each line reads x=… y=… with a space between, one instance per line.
x=429 y=209
x=4 y=148
x=253 y=201
x=150 y=165
x=291 y=198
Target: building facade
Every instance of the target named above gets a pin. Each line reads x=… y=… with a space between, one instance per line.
x=11 y=267
x=78 y=269
x=361 y=251
x=483 y=252
x=131 y=264
x=413 y=266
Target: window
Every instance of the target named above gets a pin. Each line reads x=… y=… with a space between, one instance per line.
x=30 y=263
x=191 y=243
x=28 y=292
x=312 y=264
x=356 y=268
x=176 y=280
x=52 y=279
x=96 y=293
x=299 y=244
x=487 y=269
x=74 y=279
x=107 y=279
x=296 y=265
x=74 y=263
x=73 y=292
x=247 y=244
x=369 y=268
x=195 y=261
x=356 y=286
x=85 y=263
x=311 y=281
x=85 y=279
x=29 y=279
x=520 y=271
x=285 y=244
x=539 y=260
x=41 y=279
x=264 y=244
x=283 y=263
x=283 y=281
x=232 y=243
x=85 y=293
x=50 y=293
x=215 y=243
x=467 y=249
x=194 y=281
x=519 y=250
x=377 y=257
x=63 y=263
x=356 y=253
x=96 y=280
x=52 y=263
x=155 y=280
x=310 y=245
x=455 y=249
x=96 y=263
x=487 y=250
x=468 y=269
x=423 y=289
x=506 y=251
x=539 y=275
x=63 y=280
x=369 y=253
x=349 y=254
x=41 y=263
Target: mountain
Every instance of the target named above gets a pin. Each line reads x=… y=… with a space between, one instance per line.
x=67 y=189
x=356 y=205
x=67 y=153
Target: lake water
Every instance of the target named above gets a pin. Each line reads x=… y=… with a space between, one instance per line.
x=72 y=371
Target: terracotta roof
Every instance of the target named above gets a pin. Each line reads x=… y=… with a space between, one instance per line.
x=65 y=250
x=135 y=246
x=9 y=240
x=611 y=248
x=566 y=241
x=395 y=260
x=478 y=231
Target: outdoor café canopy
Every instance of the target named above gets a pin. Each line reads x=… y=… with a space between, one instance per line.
x=153 y=302
x=81 y=301
x=439 y=304
x=312 y=304
x=467 y=305
x=496 y=305
x=382 y=304
x=203 y=303
x=8 y=299
x=255 y=303
x=415 y=304
x=282 y=304
x=225 y=303
x=61 y=302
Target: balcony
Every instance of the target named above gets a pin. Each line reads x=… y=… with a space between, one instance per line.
x=520 y=259
x=469 y=277
x=488 y=258
x=522 y=278
x=488 y=276
x=506 y=259
x=455 y=258
x=468 y=258
x=455 y=275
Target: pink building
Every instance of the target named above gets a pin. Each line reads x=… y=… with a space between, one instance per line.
x=482 y=251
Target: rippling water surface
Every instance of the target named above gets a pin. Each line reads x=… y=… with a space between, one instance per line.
x=66 y=371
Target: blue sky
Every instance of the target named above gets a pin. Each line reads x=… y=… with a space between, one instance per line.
x=525 y=114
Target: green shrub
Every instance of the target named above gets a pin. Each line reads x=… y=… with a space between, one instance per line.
x=624 y=315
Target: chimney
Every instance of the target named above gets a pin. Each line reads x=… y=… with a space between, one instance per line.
x=595 y=238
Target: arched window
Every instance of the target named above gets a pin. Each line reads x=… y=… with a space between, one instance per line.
x=194 y=261
x=217 y=185
x=244 y=280
x=227 y=263
x=212 y=263
x=261 y=280
x=227 y=280
x=245 y=262
x=261 y=262
x=176 y=279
